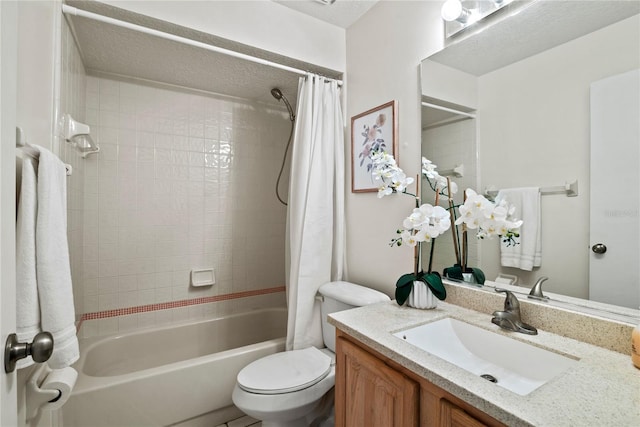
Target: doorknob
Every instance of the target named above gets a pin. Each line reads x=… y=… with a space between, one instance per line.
x=40 y=350
x=599 y=248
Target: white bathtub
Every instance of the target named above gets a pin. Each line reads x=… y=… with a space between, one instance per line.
x=164 y=376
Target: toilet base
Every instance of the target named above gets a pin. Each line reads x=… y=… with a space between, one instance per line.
x=321 y=416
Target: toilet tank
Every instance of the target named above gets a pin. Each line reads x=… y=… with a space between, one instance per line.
x=339 y=296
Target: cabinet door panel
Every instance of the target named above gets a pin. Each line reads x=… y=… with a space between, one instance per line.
x=371 y=393
x=453 y=416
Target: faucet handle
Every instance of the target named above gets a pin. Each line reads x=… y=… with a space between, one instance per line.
x=536 y=290
x=511 y=303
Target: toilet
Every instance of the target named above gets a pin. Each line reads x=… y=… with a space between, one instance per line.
x=295 y=388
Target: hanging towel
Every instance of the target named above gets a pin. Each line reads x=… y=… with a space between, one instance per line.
x=528 y=253
x=28 y=308
x=53 y=270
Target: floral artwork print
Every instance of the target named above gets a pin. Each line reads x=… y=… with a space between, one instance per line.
x=372 y=132
x=372 y=141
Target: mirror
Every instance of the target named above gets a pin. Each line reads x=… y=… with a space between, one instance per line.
x=511 y=101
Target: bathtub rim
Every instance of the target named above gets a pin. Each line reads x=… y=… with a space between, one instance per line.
x=88 y=383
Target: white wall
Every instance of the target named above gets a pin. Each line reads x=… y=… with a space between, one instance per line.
x=449 y=84
x=260 y=23
x=531 y=136
x=384 y=51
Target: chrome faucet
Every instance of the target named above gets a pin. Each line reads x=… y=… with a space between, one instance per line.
x=536 y=291
x=510 y=318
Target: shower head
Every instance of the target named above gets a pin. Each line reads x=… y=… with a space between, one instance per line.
x=277 y=94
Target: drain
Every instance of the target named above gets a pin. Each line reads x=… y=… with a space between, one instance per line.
x=489 y=377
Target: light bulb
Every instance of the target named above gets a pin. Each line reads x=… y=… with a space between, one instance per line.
x=451 y=10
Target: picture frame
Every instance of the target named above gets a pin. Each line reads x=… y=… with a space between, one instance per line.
x=374 y=129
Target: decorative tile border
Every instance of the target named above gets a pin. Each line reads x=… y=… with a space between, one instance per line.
x=176 y=304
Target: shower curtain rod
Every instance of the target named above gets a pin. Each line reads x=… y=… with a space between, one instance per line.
x=70 y=10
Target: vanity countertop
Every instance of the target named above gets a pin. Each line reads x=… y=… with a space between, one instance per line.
x=602 y=389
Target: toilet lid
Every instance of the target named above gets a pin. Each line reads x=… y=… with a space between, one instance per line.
x=285 y=372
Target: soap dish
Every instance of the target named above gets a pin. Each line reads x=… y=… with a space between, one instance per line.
x=203 y=277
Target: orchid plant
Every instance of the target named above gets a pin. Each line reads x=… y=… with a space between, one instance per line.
x=423 y=225
x=426 y=222
x=476 y=213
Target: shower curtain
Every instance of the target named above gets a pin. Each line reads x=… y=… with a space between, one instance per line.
x=315 y=249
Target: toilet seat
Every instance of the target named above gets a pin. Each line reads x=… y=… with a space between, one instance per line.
x=285 y=372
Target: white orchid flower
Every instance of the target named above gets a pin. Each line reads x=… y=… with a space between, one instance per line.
x=384 y=191
x=429 y=168
x=422 y=235
x=408 y=239
x=415 y=220
x=440 y=212
x=453 y=187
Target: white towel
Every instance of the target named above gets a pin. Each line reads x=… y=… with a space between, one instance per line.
x=53 y=271
x=28 y=308
x=528 y=253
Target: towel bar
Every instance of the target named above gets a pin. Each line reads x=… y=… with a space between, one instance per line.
x=28 y=150
x=570 y=189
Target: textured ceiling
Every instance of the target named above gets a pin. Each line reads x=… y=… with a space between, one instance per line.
x=110 y=50
x=534 y=29
x=342 y=13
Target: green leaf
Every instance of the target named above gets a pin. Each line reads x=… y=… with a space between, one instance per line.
x=478 y=275
x=454 y=272
x=402 y=293
x=405 y=280
x=434 y=282
x=404 y=286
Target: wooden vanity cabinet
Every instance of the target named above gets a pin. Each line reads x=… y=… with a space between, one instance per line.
x=373 y=391
x=369 y=393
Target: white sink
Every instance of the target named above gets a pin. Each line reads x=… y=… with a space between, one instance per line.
x=516 y=366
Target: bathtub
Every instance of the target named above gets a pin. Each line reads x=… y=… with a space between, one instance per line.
x=167 y=375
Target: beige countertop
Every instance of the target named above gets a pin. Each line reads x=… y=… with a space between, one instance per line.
x=602 y=389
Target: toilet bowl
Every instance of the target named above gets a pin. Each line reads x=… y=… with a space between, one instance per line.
x=295 y=388
x=286 y=388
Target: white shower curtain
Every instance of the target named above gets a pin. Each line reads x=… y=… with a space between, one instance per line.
x=315 y=217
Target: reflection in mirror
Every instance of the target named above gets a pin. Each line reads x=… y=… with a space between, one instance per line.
x=531 y=79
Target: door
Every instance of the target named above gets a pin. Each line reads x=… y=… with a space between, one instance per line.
x=615 y=176
x=8 y=61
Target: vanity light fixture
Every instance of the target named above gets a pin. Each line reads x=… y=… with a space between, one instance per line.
x=452 y=10
x=460 y=14
x=79 y=135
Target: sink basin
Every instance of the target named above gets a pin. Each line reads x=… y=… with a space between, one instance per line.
x=510 y=363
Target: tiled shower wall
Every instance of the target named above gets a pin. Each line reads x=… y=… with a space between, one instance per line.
x=184 y=180
x=447 y=146
x=72 y=101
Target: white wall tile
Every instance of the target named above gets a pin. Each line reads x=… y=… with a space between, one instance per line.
x=127 y=323
x=107 y=326
x=163 y=199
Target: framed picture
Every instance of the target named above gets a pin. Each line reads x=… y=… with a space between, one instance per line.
x=372 y=130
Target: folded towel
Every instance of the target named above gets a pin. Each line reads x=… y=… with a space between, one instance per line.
x=28 y=308
x=528 y=253
x=52 y=261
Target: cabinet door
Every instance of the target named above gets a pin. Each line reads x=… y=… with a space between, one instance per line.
x=453 y=416
x=369 y=393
